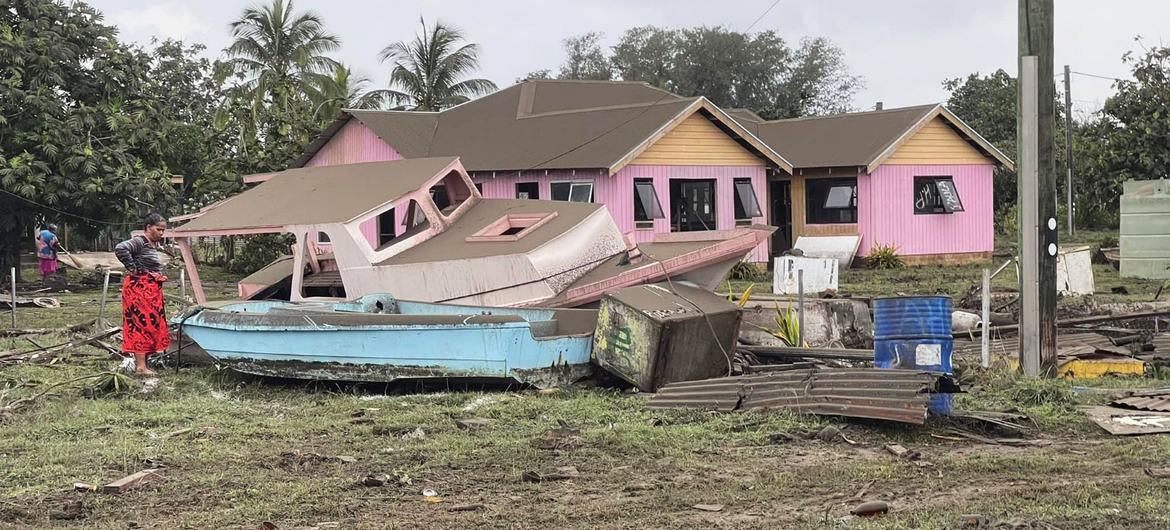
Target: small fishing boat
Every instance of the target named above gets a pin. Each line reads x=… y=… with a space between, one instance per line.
x=378 y=338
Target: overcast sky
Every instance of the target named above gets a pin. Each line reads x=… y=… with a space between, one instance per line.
x=903 y=48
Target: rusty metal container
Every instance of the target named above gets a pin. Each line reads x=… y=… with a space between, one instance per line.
x=651 y=335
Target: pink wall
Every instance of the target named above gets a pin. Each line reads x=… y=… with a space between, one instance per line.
x=355 y=143
x=617 y=193
x=885 y=211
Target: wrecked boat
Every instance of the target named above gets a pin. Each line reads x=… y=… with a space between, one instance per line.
x=419 y=228
x=378 y=338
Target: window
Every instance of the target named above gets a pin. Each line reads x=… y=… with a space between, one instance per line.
x=440 y=197
x=746 y=204
x=692 y=205
x=511 y=227
x=936 y=195
x=646 y=205
x=572 y=191
x=479 y=187
x=831 y=201
x=527 y=190
x=323 y=238
x=386 y=232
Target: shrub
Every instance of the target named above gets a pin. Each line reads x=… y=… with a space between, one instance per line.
x=884 y=257
x=749 y=272
x=258 y=251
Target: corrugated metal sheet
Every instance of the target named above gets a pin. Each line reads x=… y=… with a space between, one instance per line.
x=895 y=395
x=1155 y=400
x=885 y=211
x=1145 y=229
x=1066 y=344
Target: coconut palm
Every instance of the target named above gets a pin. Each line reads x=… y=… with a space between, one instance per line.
x=343 y=90
x=279 y=54
x=428 y=71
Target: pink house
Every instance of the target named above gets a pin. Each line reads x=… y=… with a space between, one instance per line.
x=659 y=162
x=916 y=178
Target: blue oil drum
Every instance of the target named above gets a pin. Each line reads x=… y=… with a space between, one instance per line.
x=914 y=333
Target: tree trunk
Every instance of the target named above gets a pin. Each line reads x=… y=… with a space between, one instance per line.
x=10 y=247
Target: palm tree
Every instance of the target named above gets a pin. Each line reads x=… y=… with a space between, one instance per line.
x=428 y=71
x=278 y=53
x=343 y=90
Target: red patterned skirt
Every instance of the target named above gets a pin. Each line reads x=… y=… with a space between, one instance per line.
x=144 y=321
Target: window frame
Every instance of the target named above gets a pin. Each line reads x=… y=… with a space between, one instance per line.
x=648 y=221
x=498 y=230
x=572 y=184
x=737 y=205
x=533 y=183
x=822 y=210
x=942 y=206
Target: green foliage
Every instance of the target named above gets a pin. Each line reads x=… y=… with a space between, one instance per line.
x=787 y=326
x=884 y=257
x=758 y=71
x=429 y=71
x=258 y=251
x=746 y=271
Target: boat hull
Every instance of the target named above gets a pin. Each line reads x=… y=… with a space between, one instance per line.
x=450 y=342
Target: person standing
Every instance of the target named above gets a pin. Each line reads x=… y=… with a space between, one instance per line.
x=144 y=321
x=47 y=245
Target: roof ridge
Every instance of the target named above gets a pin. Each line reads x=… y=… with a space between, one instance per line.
x=854 y=114
x=663 y=101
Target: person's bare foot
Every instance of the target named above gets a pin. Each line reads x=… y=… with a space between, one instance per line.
x=144 y=371
x=140 y=365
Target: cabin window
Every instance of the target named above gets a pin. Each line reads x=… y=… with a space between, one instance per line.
x=511 y=227
x=479 y=187
x=572 y=191
x=936 y=194
x=646 y=205
x=527 y=190
x=386 y=232
x=831 y=201
x=451 y=192
x=746 y=204
x=323 y=238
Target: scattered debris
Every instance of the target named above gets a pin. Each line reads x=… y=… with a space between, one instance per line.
x=561 y=438
x=41 y=302
x=870 y=508
x=831 y=434
x=1122 y=422
x=820 y=275
x=479 y=402
x=417 y=434
x=640 y=486
x=1152 y=400
x=901 y=452
x=45 y=354
x=268 y=525
x=69 y=510
x=562 y=473
x=374 y=481
x=179 y=432
x=81 y=486
x=130 y=481
x=1161 y=472
x=888 y=394
x=466 y=508
x=973 y=521
x=473 y=424
x=708 y=507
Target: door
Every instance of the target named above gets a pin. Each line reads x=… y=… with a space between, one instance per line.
x=692 y=205
x=781 y=203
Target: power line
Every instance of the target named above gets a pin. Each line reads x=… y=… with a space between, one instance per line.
x=1107 y=78
x=62 y=212
x=762 y=15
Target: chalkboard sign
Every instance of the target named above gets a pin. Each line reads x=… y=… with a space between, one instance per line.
x=936 y=194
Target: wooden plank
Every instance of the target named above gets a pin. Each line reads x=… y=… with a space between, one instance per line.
x=131 y=481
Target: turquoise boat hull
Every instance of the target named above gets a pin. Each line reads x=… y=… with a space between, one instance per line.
x=377 y=338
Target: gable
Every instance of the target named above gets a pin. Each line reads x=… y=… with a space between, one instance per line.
x=697 y=142
x=937 y=143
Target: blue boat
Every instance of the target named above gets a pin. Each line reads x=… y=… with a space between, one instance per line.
x=378 y=338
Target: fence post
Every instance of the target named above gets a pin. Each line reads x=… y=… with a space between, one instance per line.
x=986 y=317
x=14 y=298
x=101 y=321
x=800 y=308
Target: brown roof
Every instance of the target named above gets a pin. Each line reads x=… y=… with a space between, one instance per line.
x=543 y=125
x=855 y=139
x=451 y=243
x=318 y=195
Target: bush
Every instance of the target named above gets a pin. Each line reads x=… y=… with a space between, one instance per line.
x=749 y=272
x=884 y=257
x=255 y=252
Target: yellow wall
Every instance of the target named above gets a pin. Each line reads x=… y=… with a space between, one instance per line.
x=937 y=143
x=697 y=142
x=799 y=217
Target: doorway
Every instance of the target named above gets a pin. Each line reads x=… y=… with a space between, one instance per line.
x=692 y=205
x=780 y=196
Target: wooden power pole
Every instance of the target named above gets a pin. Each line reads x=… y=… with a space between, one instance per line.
x=1068 y=147
x=1037 y=189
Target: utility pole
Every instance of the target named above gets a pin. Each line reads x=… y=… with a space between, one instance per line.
x=1037 y=189
x=1068 y=147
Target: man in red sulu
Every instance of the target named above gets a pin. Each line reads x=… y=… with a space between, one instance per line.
x=144 y=321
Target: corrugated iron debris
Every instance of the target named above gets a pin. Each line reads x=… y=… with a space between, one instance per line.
x=1153 y=400
x=895 y=395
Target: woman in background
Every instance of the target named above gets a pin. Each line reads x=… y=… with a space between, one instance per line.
x=144 y=321
x=47 y=245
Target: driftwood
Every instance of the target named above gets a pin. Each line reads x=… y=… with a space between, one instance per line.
x=125 y=483
x=4 y=333
x=25 y=355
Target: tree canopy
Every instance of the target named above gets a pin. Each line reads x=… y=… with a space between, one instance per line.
x=429 y=72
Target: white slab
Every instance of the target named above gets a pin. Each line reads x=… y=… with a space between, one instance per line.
x=820 y=275
x=840 y=248
x=1074 y=272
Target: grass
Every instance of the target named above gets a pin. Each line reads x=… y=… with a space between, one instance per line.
x=261 y=450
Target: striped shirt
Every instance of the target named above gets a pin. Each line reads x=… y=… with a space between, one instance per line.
x=138 y=255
